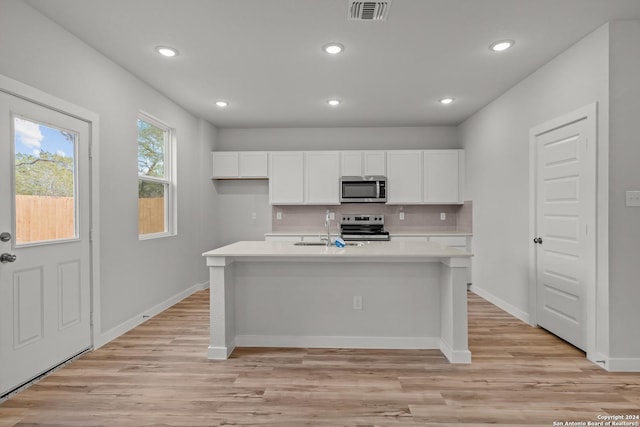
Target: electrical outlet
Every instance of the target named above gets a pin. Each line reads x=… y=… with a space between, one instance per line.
x=401 y=216
x=443 y=216
x=633 y=198
x=332 y=215
x=357 y=302
x=278 y=215
x=254 y=215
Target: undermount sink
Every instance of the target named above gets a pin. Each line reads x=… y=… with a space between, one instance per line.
x=324 y=244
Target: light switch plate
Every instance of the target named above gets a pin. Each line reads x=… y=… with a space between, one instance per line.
x=633 y=198
x=443 y=216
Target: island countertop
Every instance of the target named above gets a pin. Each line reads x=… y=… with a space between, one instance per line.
x=368 y=250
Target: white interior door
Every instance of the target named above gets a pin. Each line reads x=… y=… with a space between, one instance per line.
x=564 y=194
x=44 y=221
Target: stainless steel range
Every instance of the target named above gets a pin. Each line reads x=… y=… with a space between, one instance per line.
x=363 y=227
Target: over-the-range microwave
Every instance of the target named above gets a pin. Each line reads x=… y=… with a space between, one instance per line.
x=363 y=189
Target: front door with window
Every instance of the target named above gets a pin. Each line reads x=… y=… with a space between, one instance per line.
x=45 y=266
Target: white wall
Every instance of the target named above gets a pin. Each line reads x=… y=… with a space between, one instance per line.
x=496 y=143
x=382 y=138
x=624 y=156
x=136 y=275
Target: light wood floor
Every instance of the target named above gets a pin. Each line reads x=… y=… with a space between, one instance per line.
x=158 y=375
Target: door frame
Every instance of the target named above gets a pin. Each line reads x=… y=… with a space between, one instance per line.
x=589 y=190
x=36 y=96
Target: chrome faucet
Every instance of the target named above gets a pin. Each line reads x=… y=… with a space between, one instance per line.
x=327 y=224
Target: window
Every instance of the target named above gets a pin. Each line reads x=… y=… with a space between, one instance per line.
x=156 y=201
x=45 y=182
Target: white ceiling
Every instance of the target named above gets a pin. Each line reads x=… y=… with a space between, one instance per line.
x=265 y=58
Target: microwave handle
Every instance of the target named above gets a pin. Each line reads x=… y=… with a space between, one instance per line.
x=377 y=189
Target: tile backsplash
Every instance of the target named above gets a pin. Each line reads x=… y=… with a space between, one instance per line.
x=417 y=218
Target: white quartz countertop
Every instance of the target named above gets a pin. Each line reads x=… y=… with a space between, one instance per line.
x=370 y=250
x=391 y=233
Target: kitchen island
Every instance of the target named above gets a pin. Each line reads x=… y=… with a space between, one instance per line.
x=379 y=295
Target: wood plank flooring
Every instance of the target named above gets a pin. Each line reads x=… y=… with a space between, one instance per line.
x=158 y=375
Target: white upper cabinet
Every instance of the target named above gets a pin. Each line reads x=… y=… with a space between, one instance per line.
x=442 y=171
x=225 y=164
x=244 y=164
x=360 y=163
x=322 y=177
x=286 y=178
x=374 y=163
x=351 y=163
x=404 y=177
x=254 y=164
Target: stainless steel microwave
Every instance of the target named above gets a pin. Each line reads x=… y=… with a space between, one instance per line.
x=363 y=189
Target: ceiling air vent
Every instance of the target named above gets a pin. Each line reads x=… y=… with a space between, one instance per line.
x=369 y=10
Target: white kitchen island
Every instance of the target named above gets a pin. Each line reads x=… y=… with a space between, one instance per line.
x=402 y=295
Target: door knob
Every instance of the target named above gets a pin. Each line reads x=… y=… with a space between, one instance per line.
x=4 y=258
x=5 y=237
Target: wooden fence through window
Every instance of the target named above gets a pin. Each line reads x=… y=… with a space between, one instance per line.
x=41 y=218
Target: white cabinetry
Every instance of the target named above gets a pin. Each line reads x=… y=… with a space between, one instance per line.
x=254 y=164
x=225 y=164
x=404 y=177
x=441 y=172
x=322 y=177
x=360 y=163
x=286 y=178
x=244 y=164
x=351 y=163
x=374 y=163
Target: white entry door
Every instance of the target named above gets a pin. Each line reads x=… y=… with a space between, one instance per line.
x=565 y=233
x=44 y=241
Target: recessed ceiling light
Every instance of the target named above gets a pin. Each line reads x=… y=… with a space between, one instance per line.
x=222 y=104
x=446 y=101
x=333 y=48
x=333 y=102
x=501 y=45
x=166 y=51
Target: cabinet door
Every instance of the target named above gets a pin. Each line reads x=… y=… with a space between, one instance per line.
x=375 y=163
x=225 y=164
x=351 y=163
x=442 y=176
x=286 y=178
x=322 y=177
x=404 y=177
x=254 y=164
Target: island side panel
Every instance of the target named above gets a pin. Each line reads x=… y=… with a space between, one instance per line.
x=454 y=320
x=222 y=307
x=310 y=304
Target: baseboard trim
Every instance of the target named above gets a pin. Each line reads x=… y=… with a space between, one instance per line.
x=622 y=364
x=405 y=343
x=454 y=356
x=503 y=305
x=126 y=326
